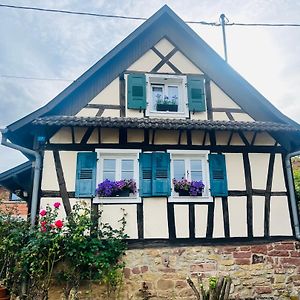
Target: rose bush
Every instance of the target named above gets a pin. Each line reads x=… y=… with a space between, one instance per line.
x=80 y=247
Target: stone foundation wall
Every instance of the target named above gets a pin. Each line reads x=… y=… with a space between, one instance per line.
x=269 y=271
x=261 y=271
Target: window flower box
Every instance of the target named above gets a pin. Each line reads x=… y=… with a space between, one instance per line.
x=122 y=193
x=166 y=104
x=119 y=188
x=188 y=188
x=167 y=107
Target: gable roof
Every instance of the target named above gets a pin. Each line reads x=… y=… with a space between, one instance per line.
x=164 y=23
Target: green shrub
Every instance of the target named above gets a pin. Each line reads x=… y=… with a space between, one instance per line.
x=79 y=248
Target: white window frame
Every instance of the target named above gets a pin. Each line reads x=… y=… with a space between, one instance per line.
x=190 y=155
x=118 y=154
x=167 y=80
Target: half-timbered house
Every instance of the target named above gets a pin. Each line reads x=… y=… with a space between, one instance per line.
x=164 y=105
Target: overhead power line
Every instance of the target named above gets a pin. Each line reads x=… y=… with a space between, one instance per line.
x=265 y=24
x=94 y=14
x=143 y=19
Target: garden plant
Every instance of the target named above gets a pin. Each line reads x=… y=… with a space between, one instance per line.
x=78 y=248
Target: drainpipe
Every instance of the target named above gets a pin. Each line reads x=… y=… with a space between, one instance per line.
x=290 y=179
x=37 y=172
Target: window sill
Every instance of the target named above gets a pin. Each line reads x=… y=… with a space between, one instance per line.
x=190 y=199
x=117 y=200
x=167 y=114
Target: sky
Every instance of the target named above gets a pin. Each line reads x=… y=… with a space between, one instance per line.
x=52 y=46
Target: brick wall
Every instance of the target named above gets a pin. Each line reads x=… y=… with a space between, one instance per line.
x=16 y=208
x=268 y=271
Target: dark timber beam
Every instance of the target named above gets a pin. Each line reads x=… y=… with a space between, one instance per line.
x=242 y=136
x=208 y=98
x=140 y=220
x=62 y=183
x=268 y=196
x=229 y=116
x=171 y=221
x=87 y=135
x=152 y=243
x=103 y=106
x=248 y=179
x=100 y=112
x=192 y=220
x=225 y=216
x=210 y=220
x=165 y=60
x=150 y=147
x=229 y=110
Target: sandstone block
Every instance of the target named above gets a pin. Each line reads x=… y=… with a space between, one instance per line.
x=242 y=254
x=285 y=246
x=263 y=290
x=180 y=284
x=163 y=284
x=144 y=269
x=136 y=270
x=204 y=267
x=242 y=261
x=290 y=261
x=261 y=249
x=278 y=253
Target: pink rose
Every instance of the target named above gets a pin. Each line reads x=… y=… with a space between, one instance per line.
x=59 y=223
x=43 y=229
x=43 y=223
x=56 y=204
x=43 y=212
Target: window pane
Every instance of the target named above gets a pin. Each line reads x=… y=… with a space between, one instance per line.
x=179 y=169
x=127 y=169
x=173 y=94
x=196 y=175
x=109 y=175
x=127 y=175
x=196 y=165
x=127 y=164
x=109 y=164
x=109 y=169
x=157 y=95
x=196 y=170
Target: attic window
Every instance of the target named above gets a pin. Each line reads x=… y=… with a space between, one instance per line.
x=166 y=95
x=162 y=95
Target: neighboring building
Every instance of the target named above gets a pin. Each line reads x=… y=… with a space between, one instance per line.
x=164 y=105
x=4 y=194
x=11 y=203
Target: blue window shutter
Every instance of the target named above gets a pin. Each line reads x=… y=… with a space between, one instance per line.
x=161 y=185
x=85 y=185
x=145 y=161
x=196 y=95
x=136 y=91
x=218 y=176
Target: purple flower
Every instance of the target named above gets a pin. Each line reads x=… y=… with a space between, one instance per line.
x=109 y=188
x=194 y=188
